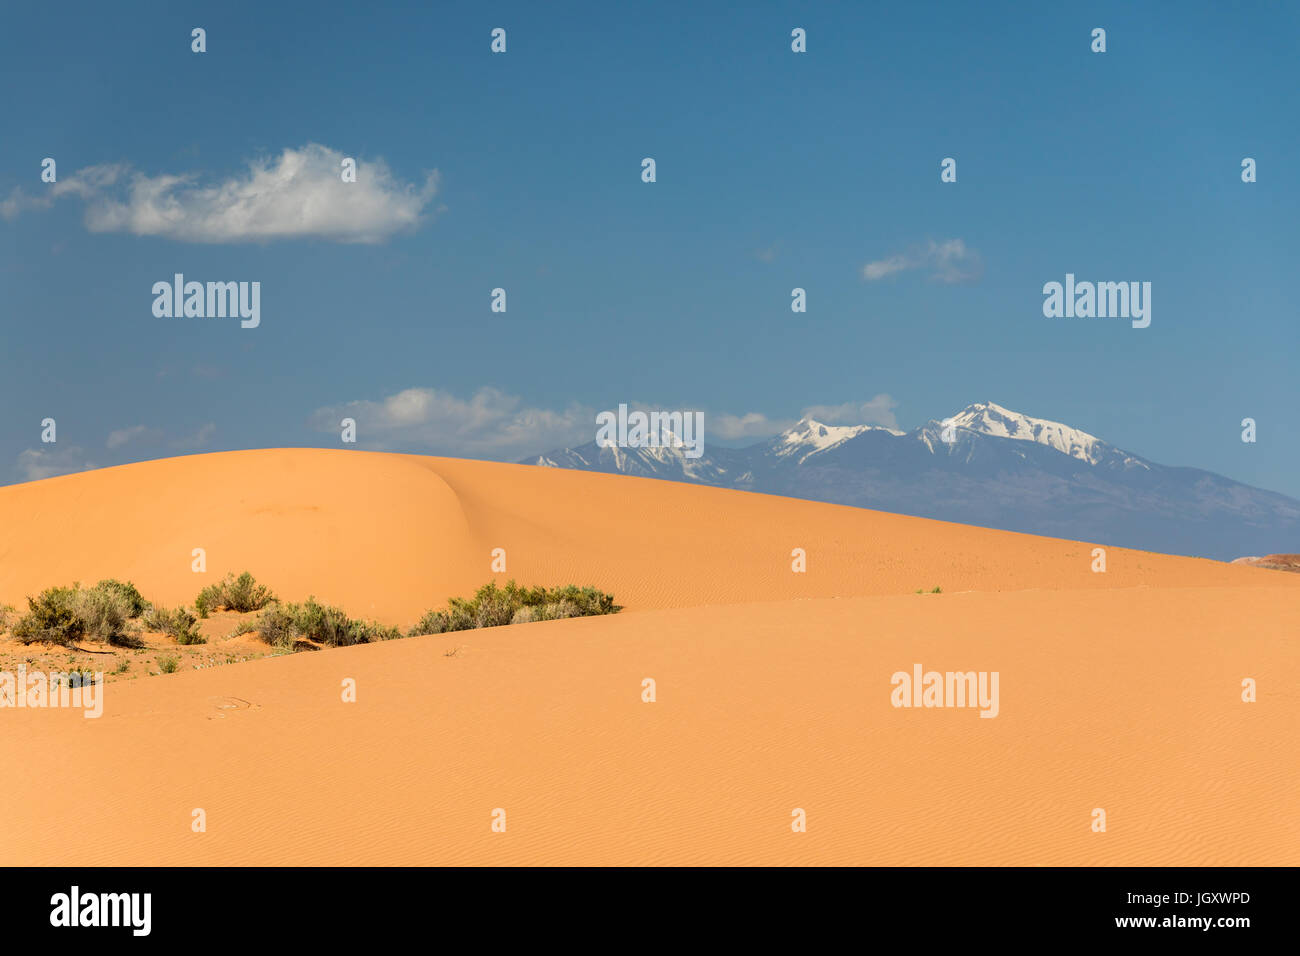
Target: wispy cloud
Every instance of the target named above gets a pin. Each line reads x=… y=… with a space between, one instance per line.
x=36 y=463
x=950 y=261
x=875 y=411
x=489 y=424
x=196 y=440
x=124 y=436
x=299 y=194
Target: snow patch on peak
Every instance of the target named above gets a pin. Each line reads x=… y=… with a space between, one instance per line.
x=810 y=437
x=989 y=418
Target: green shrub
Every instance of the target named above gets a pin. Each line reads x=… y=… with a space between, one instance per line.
x=242 y=594
x=178 y=624
x=6 y=612
x=283 y=624
x=433 y=622
x=168 y=665
x=103 y=613
x=558 y=610
x=135 y=602
x=50 y=618
x=322 y=623
x=492 y=606
x=370 y=632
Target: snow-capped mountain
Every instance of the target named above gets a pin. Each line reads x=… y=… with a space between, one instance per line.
x=990 y=419
x=985 y=465
x=809 y=438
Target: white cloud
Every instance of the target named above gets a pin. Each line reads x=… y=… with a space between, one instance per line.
x=198 y=439
x=950 y=261
x=123 y=436
x=37 y=463
x=488 y=424
x=876 y=411
x=297 y=195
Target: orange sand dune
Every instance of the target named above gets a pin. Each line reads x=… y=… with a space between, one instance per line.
x=387 y=536
x=1125 y=700
x=1120 y=691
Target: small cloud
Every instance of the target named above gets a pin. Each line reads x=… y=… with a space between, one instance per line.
x=876 y=411
x=949 y=262
x=748 y=425
x=296 y=195
x=198 y=439
x=769 y=254
x=490 y=423
x=123 y=436
x=36 y=463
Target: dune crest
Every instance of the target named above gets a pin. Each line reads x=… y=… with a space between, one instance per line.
x=388 y=536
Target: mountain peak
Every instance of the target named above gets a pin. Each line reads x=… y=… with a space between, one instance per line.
x=990 y=418
x=809 y=437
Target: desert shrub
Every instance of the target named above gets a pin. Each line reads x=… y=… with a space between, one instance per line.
x=245 y=626
x=587 y=602
x=276 y=626
x=6 y=614
x=558 y=610
x=178 y=624
x=433 y=622
x=323 y=624
x=283 y=624
x=103 y=613
x=135 y=602
x=371 y=632
x=245 y=595
x=50 y=618
x=242 y=594
x=492 y=606
x=460 y=617
x=168 y=665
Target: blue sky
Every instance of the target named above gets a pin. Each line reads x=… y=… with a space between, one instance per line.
x=774 y=169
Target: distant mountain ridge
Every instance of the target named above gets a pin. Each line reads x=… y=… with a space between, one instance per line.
x=1000 y=469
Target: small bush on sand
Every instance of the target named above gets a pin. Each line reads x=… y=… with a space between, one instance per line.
x=558 y=610
x=51 y=619
x=433 y=622
x=242 y=594
x=135 y=602
x=276 y=626
x=178 y=624
x=168 y=665
x=492 y=606
x=103 y=613
x=246 y=626
x=282 y=625
x=6 y=615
